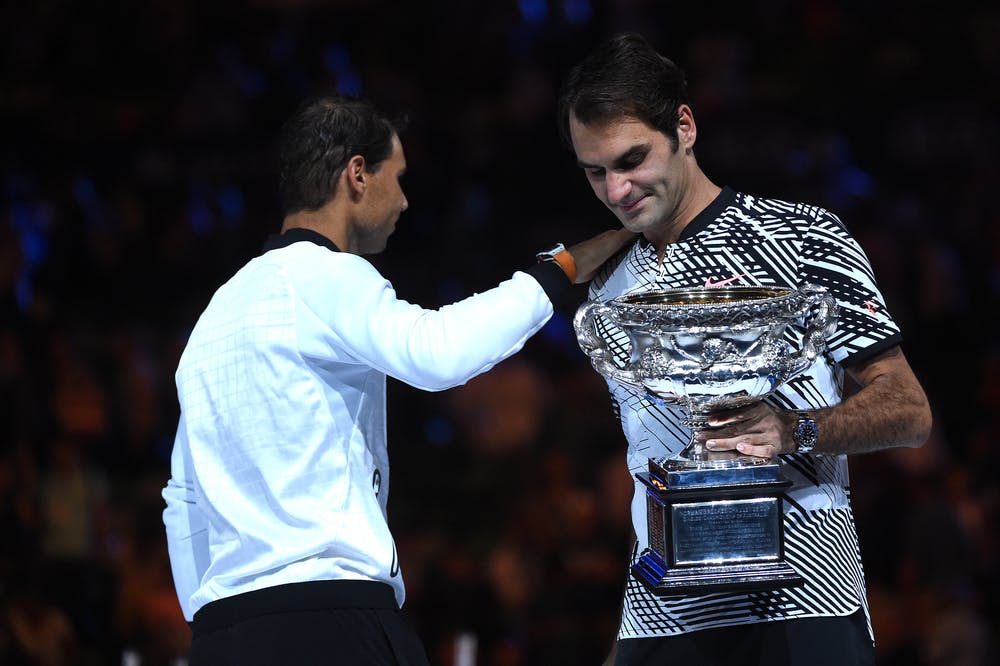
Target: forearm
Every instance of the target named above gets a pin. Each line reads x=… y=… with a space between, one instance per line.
x=888 y=413
x=590 y=254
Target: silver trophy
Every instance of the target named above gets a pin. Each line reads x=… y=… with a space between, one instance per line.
x=714 y=517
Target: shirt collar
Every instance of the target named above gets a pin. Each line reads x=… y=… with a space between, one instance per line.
x=276 y=241
x=708 y=214
x=702 y=220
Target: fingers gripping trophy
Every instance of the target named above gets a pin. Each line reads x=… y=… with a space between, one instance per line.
x=714 y=518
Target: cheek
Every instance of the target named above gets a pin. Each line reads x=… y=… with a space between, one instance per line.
x=652 y=179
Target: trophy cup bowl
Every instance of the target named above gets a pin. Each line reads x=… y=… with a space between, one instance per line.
x=714 y=517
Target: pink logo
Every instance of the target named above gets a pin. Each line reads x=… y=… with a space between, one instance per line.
x=872 y=308
x=711 y=284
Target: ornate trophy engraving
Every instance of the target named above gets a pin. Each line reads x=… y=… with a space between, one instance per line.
x=714 y=518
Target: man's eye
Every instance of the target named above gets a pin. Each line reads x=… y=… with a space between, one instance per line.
x=595 y=173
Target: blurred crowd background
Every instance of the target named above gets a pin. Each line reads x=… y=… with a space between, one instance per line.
x=137 y=173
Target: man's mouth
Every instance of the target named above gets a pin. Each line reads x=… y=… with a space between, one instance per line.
x=632 y=207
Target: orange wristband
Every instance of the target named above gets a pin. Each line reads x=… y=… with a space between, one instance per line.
x=561 y=256
x=566 y=262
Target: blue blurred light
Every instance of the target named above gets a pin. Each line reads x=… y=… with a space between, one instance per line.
x=578 y=11
x=856 y=182
x=559 y=330
x=85 y=193
x=438 y=430
x=164 y=447
x=349 y=83
x=29 y=221
x=200 y=217
x=337 y=59
x=34 y=246
x=534 y=11
x=848 y=184
x=231 y=203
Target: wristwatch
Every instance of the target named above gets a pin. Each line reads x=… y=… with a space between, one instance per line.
x=806 y=434
x=559 y=254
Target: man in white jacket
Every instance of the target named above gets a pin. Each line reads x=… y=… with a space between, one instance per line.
x=276 y=505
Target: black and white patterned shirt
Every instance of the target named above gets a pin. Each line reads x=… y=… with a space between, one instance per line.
x=742 y=240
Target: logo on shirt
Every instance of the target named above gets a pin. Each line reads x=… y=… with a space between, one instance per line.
x=872 y=308
x=710 y=282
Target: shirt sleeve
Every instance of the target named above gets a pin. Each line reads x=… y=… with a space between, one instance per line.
x=833 y=259
x=359 y=314
x=186 y=527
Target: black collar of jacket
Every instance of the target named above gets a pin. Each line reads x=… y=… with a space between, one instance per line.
x=275 y=241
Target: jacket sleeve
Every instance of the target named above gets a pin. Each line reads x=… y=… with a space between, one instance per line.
x=429 y=349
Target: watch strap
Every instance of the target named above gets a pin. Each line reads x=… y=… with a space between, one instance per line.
x=561 y=256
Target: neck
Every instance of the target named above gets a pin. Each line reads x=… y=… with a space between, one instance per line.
x=700 y=194
x=325 y=221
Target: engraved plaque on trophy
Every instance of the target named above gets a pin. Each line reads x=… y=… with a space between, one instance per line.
x=714 y=518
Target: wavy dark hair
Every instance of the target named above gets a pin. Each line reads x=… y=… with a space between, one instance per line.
x=316 y=143
x=624 y=77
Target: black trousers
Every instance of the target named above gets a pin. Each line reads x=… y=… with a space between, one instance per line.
x=821 y=641
x=318 y=623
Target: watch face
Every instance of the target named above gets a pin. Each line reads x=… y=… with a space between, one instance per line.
x=805 y=435
x=553 y=251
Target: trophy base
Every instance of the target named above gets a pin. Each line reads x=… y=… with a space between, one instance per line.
x=662 y=581
x=680 y=473
x=714 y=529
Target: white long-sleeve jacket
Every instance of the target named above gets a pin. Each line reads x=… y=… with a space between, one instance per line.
x=279 y=471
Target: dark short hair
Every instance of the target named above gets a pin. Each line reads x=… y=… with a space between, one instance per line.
x=624 y=77
x=316 y=143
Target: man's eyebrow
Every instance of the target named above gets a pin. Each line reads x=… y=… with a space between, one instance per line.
x=621 y=160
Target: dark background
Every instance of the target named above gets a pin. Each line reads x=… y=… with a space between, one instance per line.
x=136 y=172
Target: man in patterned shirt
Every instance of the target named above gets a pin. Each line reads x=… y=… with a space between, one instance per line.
x=624 y=111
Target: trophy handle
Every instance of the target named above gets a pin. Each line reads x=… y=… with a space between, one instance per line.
x=594 y=345
x=821 y=321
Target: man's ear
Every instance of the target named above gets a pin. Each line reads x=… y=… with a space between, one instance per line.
x=355 y=176
x=687 y=131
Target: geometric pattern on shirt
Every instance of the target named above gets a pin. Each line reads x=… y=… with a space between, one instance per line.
x=761 y=242
x=840 y=591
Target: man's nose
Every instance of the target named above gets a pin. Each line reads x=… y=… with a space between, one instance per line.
x=619 y=187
